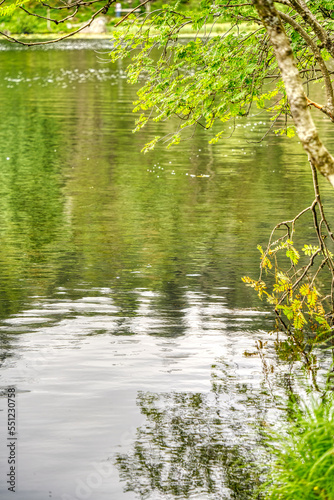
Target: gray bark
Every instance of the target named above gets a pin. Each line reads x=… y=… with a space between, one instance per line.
x=317 y=54
x=302 y=9
x=306 y=130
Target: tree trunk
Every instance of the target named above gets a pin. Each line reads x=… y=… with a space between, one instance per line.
x=306 y=130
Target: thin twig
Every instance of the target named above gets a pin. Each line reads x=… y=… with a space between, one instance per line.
x=131 y=12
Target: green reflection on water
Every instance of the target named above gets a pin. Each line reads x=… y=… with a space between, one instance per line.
x=200 y=444
x=182 y=451
x=81 y=206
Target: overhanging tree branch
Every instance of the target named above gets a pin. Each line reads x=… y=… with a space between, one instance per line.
x=303 y=10
x=329 y=109
x=63 y=37
x=307 y=132
x=56 y=21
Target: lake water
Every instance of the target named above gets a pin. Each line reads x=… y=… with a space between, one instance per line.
x=124 y=321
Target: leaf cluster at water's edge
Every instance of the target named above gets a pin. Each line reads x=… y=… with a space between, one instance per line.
x=301 y=310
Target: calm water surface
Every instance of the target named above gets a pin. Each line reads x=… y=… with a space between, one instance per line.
x=124 y=321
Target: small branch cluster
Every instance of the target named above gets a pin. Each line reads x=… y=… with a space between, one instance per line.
x=300 y=286
x=71 y=7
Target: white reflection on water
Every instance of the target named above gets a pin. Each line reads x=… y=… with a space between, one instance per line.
x=63 y=78
x=79 y=372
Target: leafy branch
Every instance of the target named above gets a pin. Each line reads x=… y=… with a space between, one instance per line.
x=299 y=284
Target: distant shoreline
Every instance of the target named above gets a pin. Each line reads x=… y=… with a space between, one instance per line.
x=88 y=36
x=219 y=31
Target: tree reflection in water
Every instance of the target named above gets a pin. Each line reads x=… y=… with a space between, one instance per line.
x=195 y=445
